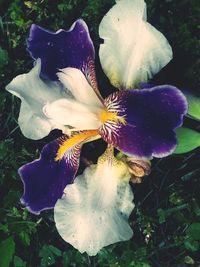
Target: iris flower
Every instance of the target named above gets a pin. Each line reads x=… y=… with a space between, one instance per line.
x=61 y=92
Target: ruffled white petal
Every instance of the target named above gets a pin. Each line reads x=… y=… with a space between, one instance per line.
x=94 y=211
x=133 y=50
x=32 y=125
x=34 y=94
x=73 y=113
x=74 y=80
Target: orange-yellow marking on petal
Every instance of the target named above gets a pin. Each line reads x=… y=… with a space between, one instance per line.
x=73 y=140
x=106 y=115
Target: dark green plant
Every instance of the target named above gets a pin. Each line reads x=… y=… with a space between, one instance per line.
x=166 y=219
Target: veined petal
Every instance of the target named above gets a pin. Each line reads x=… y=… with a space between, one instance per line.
x=34 y=94
x=150 y=117
x=94 y=210
x=61 y=49
x=73 y=113
x=74 y=80
x=133 y=50
x=44 y=179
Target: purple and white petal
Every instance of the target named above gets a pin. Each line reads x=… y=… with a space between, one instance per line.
x=94 y=210
x=62 y=49
x=133 y=50
x=150 y=115
x=44 y=179
x=34 y=94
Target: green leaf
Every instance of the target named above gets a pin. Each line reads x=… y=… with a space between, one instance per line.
x=191 y=245
x=55 y=250
x=3 y=57
x=25 y=238
x=195 y=207
x=187 y=140
x=193 y=231
x=48 y=254
x=190 y=175
x=193 y=105
x=161 y=216
x=7 y=249
x=11 y=198
x=18 y=262
x=4 y=227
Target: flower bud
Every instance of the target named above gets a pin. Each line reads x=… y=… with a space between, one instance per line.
x=138 y=168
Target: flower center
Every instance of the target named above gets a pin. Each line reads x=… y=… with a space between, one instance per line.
x=106 y=115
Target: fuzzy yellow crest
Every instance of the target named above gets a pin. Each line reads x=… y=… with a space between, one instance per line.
x=106 y=115
x=75 y=139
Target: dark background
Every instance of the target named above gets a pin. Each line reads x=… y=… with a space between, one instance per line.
x=166 y=218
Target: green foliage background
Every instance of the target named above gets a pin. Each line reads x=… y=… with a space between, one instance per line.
x=166 y=219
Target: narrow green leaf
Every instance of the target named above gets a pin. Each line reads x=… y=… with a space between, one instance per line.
x=195 y=207
x=190 y=175
x=55 y=250
x=187 y=140
x=1 y=22
x=193 y=105
x=24 y=236
x=3 y=57
x=161 y=216
x=7 y=249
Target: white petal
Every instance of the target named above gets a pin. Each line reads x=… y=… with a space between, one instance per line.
x=73 y=113
x=75 y=81
x=94 y=211
x=32 y=125
x=34 y=94
x=133 y=50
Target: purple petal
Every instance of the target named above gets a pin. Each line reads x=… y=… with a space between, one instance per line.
x=44 y=179
x=62 y=49
x=146 y=85
x=151 y=116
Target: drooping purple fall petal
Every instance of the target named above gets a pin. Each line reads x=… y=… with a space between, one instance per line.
x=44 y=179
x=151 y=116
x=62 y=49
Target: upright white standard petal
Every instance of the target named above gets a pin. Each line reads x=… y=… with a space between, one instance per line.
x=94 y=211
x=133 y=50
x=34 y=94
x=73 y=113
x=74 y=80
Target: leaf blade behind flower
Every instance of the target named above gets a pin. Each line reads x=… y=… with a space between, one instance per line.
x=188 y=140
